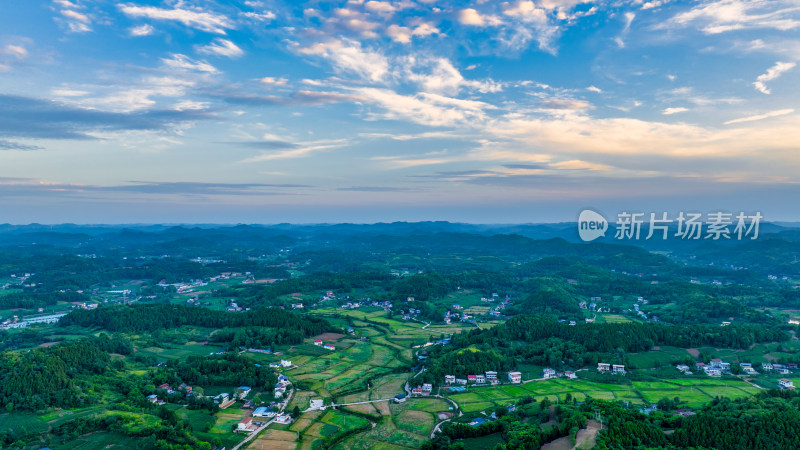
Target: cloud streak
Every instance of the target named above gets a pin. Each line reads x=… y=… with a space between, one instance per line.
x=771 y=74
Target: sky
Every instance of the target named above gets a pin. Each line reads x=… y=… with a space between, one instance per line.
x=265 y=111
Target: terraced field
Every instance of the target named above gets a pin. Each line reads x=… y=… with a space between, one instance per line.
x=693 y=393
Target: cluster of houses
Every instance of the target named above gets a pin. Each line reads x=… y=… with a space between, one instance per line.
x=386 y=305
x=613 y=368
x=425 y=389
x=548 y=373
x=285 y=364
x=488 y=377
x=717 y=367
x=591 y=306
x=450 y=317
x=281 y=386
x=15 y=322
x=319 y=343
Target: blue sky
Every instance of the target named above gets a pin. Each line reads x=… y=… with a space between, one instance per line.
x=362 y=111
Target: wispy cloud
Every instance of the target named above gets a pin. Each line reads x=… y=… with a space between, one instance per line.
x=298 y=98
x=35 y=187
x=142 y=30
x=349 y=56
x=780 y=112
x=772 y=73
x=221 y=47
x=28 y=117
x=299 y=150
x=75 y=21
x=676 y=110
x=620 y=39
x=720 y=16
x=183 y=62
x=9 y=145
x=202 y=20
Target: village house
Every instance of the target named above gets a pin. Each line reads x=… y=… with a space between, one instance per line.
x=480 y=379
x=720 y=364
x=618 y=368
x=461 y=381
x=449 y=379
x=328 y=347
x=246 y=425
x=548 y=373
x=242 y=391
x=283 y=419
x=603 y=367
x=152 y=398
x=318 y=342
x=262 y=411
x=570 y=375
x=472 y=378
x=784 y=383
x=286 y=363
x=515 y=377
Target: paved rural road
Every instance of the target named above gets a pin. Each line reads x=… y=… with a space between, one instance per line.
x=436 y=428
x=263 y=427
x=253 y=434
x=333 y=405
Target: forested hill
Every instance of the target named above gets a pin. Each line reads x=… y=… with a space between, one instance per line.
x=542 y=340
x=631 y=337
x=151 y=317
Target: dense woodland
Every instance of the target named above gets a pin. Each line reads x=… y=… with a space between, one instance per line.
x=542 y=340
x=151 y=317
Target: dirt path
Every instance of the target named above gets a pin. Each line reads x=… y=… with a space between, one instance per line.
x=587 y=437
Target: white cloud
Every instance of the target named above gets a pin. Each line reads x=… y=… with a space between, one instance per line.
x=272 y=81
x=348 y=56
x=201 y=20
x=470 y=16
x=222 y=47
x=404 y=34
x=10 y=55
x=187 y=105
x=76 y=22
x=183 y=62
x=440 y=76
x=261 y=17
x=620 y=40
x=399 y=34
x=721 y=16
x=380 y=7
x=670 y=111
x=69 y=92
x=16 y=51
x=654 y=4
x=594 y=89
x=424 y=108
x=772 y=73
x=142 y=30
x=303 y=150
x=781 y=112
